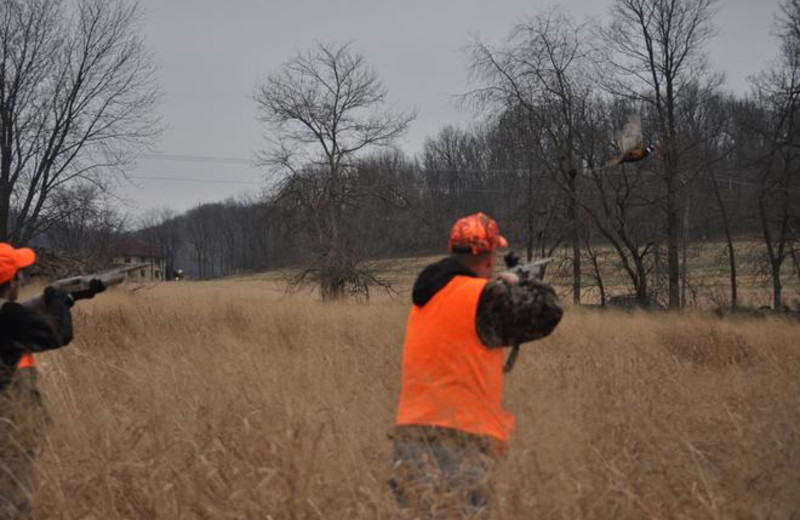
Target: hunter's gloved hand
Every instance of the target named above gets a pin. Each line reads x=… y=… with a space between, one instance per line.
x=55 y=299
x=508 y=277
x=58 y=304
x=95 y=286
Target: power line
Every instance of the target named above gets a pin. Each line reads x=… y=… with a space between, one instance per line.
x=699 y=178
x=199 y=181
x=214 y=159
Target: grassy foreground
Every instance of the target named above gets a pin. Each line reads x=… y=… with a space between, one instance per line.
x=229 y=400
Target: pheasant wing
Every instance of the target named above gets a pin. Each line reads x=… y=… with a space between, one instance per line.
x=630 y=138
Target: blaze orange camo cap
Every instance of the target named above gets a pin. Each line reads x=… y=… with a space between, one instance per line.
x=12 y=260
x=475 y=234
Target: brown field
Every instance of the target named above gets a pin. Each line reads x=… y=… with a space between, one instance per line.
x=230 y=400
x=708 y=283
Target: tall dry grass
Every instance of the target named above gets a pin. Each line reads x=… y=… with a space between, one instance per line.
x=229 y=400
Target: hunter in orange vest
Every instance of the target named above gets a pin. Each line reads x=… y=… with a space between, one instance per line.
x=23 y=332
x=450 y=422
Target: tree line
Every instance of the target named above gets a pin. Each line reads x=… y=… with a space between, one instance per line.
x=555 y=103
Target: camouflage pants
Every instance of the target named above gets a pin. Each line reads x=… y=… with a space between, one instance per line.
x=22 y=418
x=440 y=479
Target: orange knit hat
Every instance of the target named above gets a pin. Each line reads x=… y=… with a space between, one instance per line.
x=12 y=260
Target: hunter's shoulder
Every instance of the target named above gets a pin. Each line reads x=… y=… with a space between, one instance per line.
x=515 y=313
x=499 y=292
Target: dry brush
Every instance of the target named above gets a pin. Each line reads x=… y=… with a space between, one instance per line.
x=230 y=400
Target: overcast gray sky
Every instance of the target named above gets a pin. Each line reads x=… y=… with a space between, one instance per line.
x=211 y=54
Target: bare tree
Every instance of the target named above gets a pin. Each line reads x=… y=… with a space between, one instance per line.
x=778 y=93
x=86 y=224
x=619 y=203
x=655 y=50
x=455 y=167
x=393 y=196
x=531 y=201
x=620 y=214
x=595 y=257
x=326 y=106
x=730 y=247
x=542 y=68
x=161 y=229
x=712 y=126
x=76 y=98
x=205 y=237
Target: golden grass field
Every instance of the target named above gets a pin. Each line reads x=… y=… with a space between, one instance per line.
x=232 y=400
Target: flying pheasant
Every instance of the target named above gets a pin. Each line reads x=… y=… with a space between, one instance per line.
x=631 y=143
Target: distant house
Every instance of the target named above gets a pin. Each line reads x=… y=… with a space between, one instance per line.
x=133 y=251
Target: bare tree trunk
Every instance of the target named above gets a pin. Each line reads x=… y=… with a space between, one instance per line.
x=529 y=213
x=673 y=233
x=777 y=286
x=775 y=244
x=572 y=216
x=684 y=254
x=729 y=238
x=641 y=281
x=775 y=256
x=329 y=270
x=732 y=261
x=5 y=211
x=598 y=276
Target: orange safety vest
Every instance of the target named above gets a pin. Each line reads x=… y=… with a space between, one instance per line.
x=450 y=378
x=26 y=361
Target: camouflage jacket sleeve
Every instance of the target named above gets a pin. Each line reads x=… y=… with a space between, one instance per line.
x=516 y=313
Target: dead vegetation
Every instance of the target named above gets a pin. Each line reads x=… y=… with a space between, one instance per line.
x=231 y=400
x=55 y=265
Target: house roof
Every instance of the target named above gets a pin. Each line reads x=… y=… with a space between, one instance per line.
x=135 y=247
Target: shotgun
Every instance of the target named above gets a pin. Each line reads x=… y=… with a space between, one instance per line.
x=525 y=272
x=82 y=285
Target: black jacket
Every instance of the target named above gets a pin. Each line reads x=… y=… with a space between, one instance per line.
x=23 y=330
